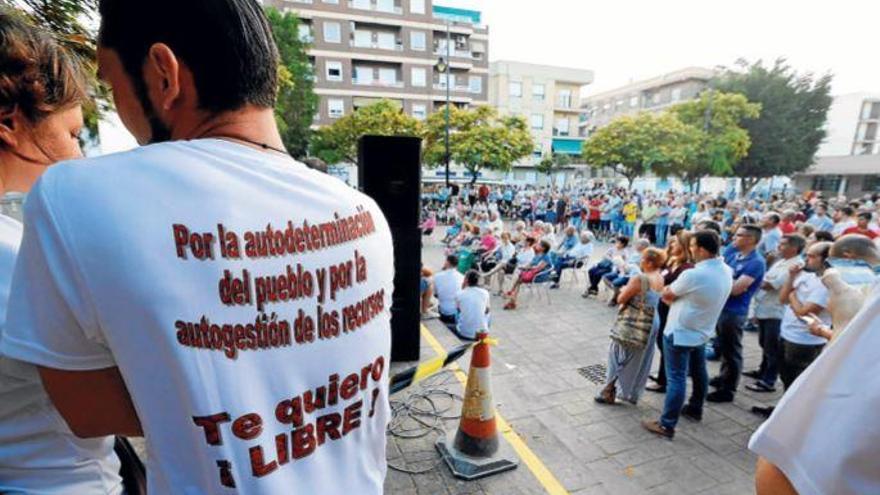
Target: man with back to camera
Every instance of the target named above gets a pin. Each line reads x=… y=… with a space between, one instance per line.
x=240 y=320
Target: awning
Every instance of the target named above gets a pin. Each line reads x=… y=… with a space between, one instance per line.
x=567 y=146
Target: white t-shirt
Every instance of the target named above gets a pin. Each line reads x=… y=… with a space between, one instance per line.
x=824 y=434
x=38 y=452
x=447 y=285
x=808 y=289
x=245 y=299
x=701 y=294
x=766 y=302
x=473 y=303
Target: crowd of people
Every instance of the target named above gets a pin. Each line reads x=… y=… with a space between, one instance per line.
x=689 y=274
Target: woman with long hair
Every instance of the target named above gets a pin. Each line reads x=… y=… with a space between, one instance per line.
x=42 y=89
x=678 y=259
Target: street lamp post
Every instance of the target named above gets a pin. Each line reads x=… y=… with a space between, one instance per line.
x=443 y=67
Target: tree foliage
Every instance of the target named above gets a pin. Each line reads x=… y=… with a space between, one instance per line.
x=479 y=139
x=790 y=128
x=634 y=145
x=551 y=164
x=337 y=142
x=297 y=103
x=724 y=142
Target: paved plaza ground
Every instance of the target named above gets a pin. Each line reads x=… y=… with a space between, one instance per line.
x=585 y=447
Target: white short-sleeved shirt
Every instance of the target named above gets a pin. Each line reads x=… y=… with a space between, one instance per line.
x=38 y=452
x=473 y=305
x=824 y=434
x=244 y=297
x=702 y=292
x=766 y=302
x=447 y=285
x=808 y=289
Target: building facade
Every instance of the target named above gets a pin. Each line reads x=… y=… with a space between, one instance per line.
x=549 y=99
x=852 y=126
x=366 y=50
x=651 y=95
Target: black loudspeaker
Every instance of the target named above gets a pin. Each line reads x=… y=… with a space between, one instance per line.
x=389 y=171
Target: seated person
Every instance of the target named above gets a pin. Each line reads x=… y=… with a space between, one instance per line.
x=606 y=266
x=503 y=262
x=429 y=224
x=447 y=285
x=624 y=268
x=426 y=293
x=453 y=231
x=535 y=272
x=473 y=307
x=569 y=240
x=580 y=252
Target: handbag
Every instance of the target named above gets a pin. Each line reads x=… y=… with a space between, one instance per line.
x=635 y=320
x=529 y=275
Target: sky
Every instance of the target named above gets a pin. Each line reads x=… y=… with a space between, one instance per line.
x=629 y=40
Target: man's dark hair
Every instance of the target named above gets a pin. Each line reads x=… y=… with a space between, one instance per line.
x=866 y=215
x=623 y=240
x=472 y=278
x=227 y=44
x=774 y=218
x=710 y=225
x=452 y=259
x=796 y=240
x=848 y=211
x=708 y=240
x=823 y=236
x=753 y=231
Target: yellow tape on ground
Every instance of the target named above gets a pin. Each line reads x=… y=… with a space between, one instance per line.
x=532 y=461
x=428 y=368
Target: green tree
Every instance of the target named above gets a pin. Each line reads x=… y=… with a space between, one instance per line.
x=723 y=142
x=790 y=128
x=479 y=139
x=338 y=142
x=634 y=145
x=297 y=103
x=550 y=165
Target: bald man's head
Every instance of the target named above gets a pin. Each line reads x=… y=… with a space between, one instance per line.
x=856 y=247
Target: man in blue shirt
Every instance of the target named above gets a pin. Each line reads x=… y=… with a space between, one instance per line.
x=748 y=273
x=695 y=301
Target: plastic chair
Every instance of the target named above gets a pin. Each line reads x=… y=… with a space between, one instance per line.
x=541 y=287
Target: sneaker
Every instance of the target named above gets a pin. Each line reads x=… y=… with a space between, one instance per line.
x=692 y=413
x=715 y=382
x=756 y=374
x=660 y=389
x=656 y=428
x=764 y=412
x=760 y=387
x=430 y=315
x=554 y=285
x=720 y=396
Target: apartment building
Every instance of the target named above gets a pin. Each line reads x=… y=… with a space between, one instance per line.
x=549 y=98
x=653 y=94
x=367 y=50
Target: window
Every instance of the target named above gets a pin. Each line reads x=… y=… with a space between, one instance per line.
x=676 y=94
x=515 y=89
x=634 y=101
x=419 y=111
x=827 y=182
x=475 y=84
x=363 y=39
x=871 y=110
x=387 y=41
x=334 y=71
x=363 y=75
x=388 y=77
x=419 y=77
x=538 y=92
x=417 y=40
x=872 y=183
x=335 y=108
x=866 y=149
x=332 y=32
x=870 y=131
x=417 y=6
x=362 y=4
x=537 y=121
x=655 y=99
x=336 y=2
x=564 y=98
x=385 y=5
x=561 y=127
x=305 y=33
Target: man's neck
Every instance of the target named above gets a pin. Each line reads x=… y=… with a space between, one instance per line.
x=747 y=251
x=249 y=125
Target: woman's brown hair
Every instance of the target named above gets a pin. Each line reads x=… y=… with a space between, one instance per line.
x=684 y=239
x=37 y=75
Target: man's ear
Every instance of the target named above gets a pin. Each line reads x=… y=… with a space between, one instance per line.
x=164 y=65
x=10 y=125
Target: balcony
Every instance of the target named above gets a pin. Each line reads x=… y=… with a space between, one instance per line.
x=458 y=87
x=377 y=7
x=397 y=47
x=377 y=83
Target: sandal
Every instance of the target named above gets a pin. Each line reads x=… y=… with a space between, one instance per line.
x=608 y=395
x=510 y=305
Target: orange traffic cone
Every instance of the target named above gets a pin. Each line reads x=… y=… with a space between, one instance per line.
x=474 y=450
